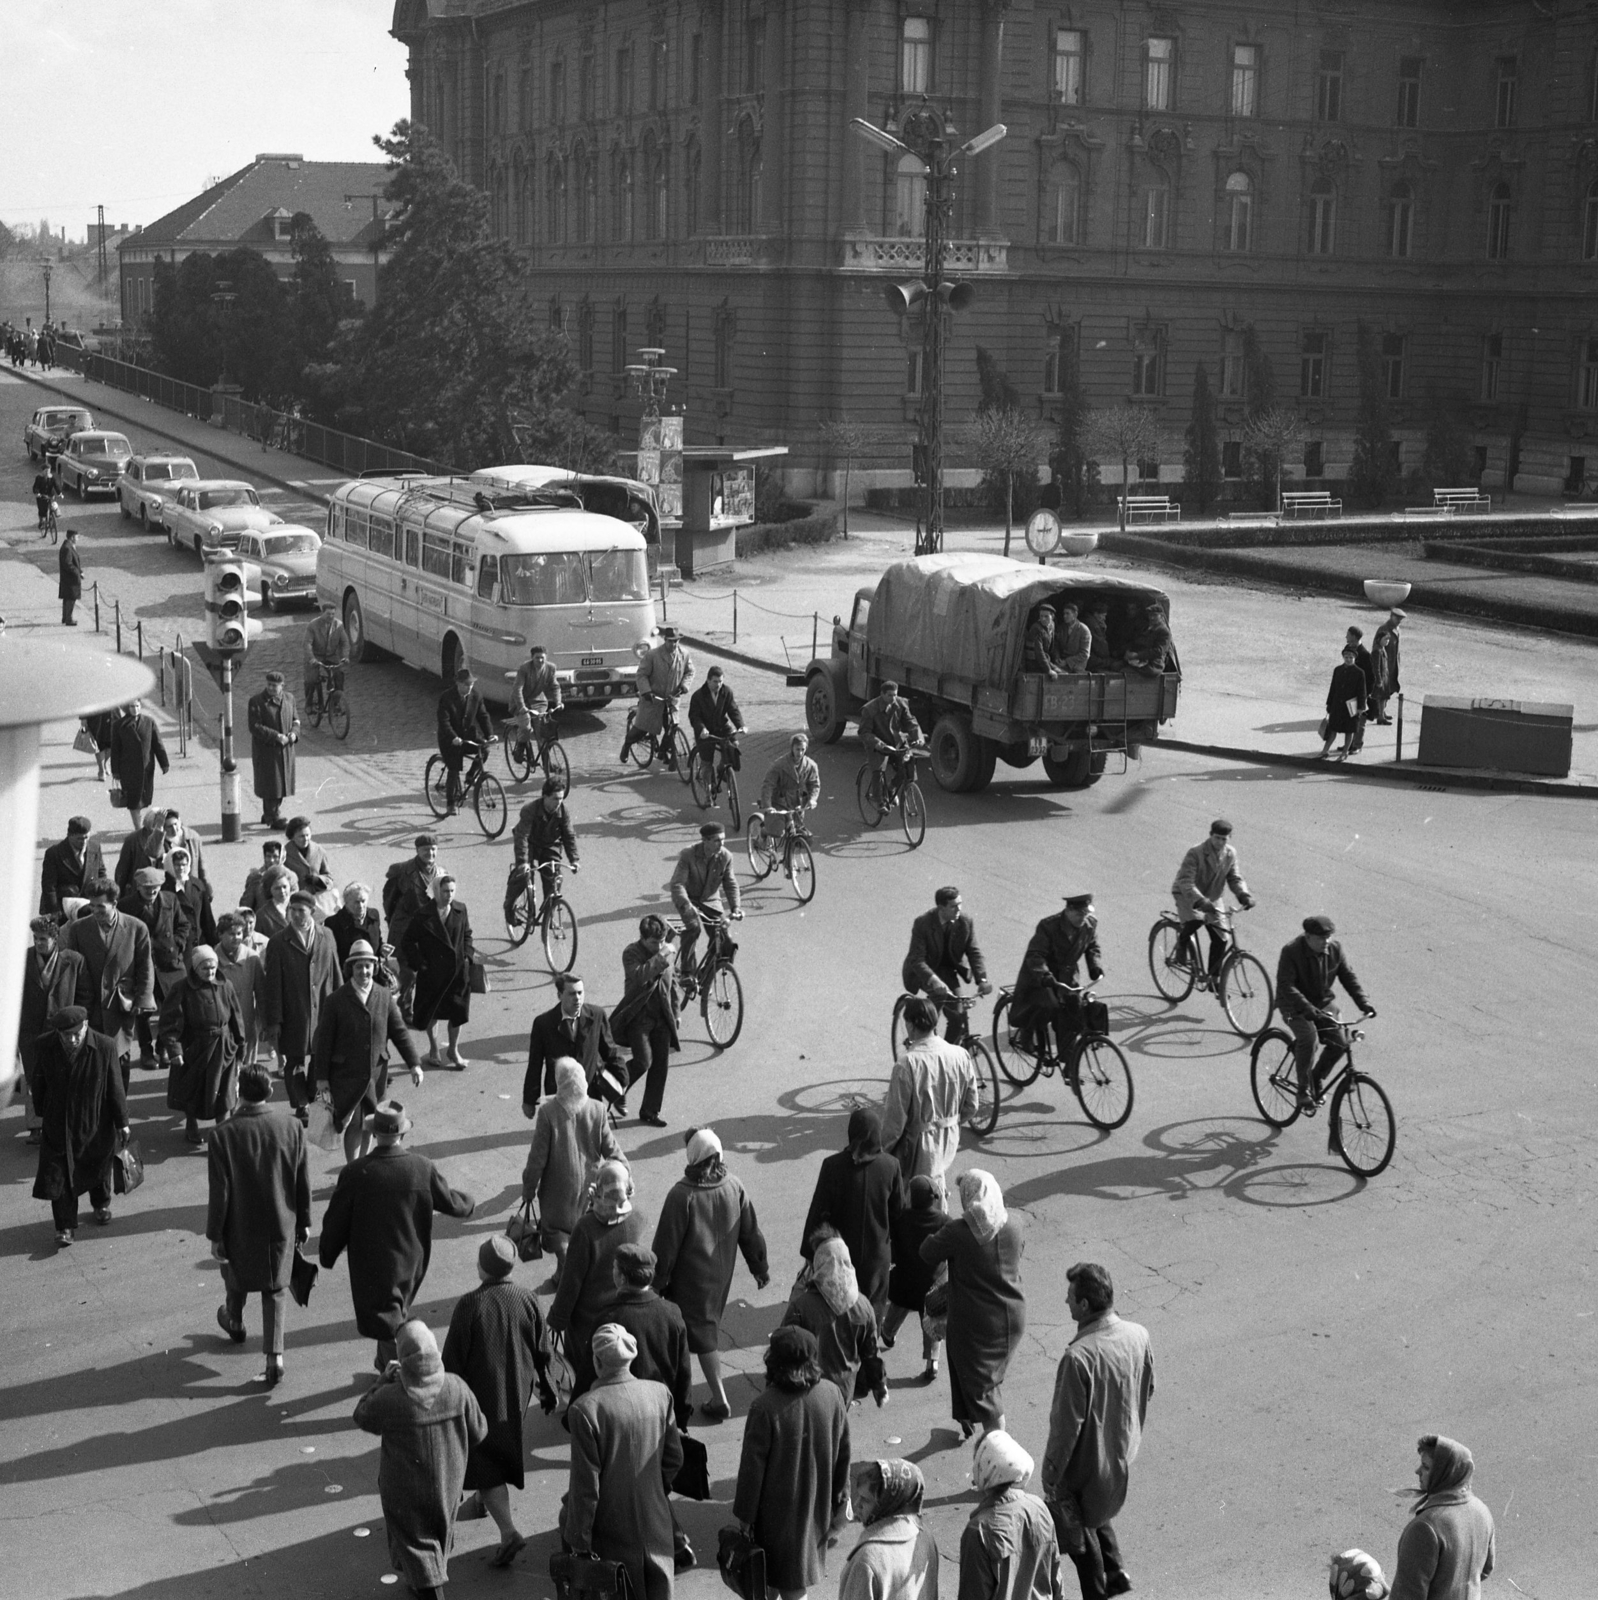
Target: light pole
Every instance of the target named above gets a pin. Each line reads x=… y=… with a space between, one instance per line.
x=47 y=294
x=222 y=297
x=929 y=136
x=649 y=380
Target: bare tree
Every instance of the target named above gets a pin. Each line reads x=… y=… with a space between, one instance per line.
x=1006 y=442
x=1125 y=434
x=1269 y=432
x=844 y=437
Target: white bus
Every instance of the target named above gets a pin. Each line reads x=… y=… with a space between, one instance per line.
x=439 y=571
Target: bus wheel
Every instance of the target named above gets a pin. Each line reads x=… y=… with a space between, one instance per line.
x=355 y=627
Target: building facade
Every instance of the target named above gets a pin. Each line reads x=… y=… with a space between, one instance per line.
x=1232 y=183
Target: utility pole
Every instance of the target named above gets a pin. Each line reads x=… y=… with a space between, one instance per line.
x=47 y=293
x=102 y=273
x=230 y=768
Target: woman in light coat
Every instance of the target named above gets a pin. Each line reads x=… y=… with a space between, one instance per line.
x=571 y=1136
x=1448 y=1545
x=896 y=1558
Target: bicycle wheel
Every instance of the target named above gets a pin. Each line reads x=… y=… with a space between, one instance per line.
x=435 y=785
x=1019 y=1066
x=681 y=753
x=1362 y=1125
x=802 y=872
x=913 y=813
x=762 y=856
x=642 y=749
x=1274 y=1078
x=518 y=931
x=313 y=710
x=560 y=934
x=1246 y=993
x=488 y=801
x=735 y=813
x=985 y=1118
x=338 y=716
x=518 y=757
x=898 y=1035
x=871 y=809
x=1102 y=1081
x=722 y=1005
x=1171 y=983
x=699 y=779
x=556 y=765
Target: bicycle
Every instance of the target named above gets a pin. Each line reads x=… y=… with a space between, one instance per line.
x=1095 y=1065
x=1361 y=1128
x=50 y=525
x=714 y=980
x=958 y=1032
x=536 y=747
x=329 y=700
x=555 y=919
x=670 y=744
x=792 y=847
x=1243 y=988
x=477 y=784
x=708 y=776
x=897 y=786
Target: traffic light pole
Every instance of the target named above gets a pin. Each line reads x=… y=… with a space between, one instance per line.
x=230 y=771
x=932 y=341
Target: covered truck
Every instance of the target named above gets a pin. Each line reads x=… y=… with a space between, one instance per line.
x=950 y=630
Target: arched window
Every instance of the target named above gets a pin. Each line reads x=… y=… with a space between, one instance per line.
x=1322 y=219
x=746 y=206
x=587 y=184
x=622 y=197
x=691 y=187
x=1240 y=213
x=1589 y=224
x=1400 y=220
x=909 y=197
x=555 y=198
x=1498 y=223
x=1062 y=204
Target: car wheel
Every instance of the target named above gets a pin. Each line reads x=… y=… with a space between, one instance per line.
x=266 y=598
x=144 y=518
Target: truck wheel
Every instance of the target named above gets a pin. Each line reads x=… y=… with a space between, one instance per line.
x=956 y=753
x=823 y=709
x=987 y=760
x=1080 y=770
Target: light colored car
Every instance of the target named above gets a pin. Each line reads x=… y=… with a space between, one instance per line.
x=212 y=513
x=53 y=426
x=149 y=481
x=92 y=463
x=280 y=564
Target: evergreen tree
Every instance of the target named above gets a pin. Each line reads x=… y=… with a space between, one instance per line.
x=1262 y=463
x=1201 y=453
x=1371 y=476
x=1446 y=462
x=1072 y=469
x=998 y=393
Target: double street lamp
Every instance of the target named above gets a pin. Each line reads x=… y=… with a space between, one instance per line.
x=929 y=136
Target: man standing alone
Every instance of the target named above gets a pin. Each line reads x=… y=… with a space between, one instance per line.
x=1384 y=666
x=274 y=728
x=71 y=586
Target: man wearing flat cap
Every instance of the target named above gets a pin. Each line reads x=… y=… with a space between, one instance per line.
x=1384 y=665
x=149 y=901
x=408 y=888
x=85 y=1112
x=1208 y=870
x=463 y=726
x=274 y=731
x=301 y=976
x=70 y=866
x=1305 y=973
x=664 y=674
x=52 y=978
x=1046 y=989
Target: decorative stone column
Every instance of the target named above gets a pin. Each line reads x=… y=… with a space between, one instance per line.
x=714 y=122
x=983 y=175
x=856 y=103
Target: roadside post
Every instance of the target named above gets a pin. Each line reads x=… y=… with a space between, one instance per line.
x=227 y=609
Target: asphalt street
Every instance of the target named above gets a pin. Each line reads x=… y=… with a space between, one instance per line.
x=1307 y=1326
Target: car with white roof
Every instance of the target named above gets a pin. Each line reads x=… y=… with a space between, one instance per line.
x=149 y=481
x=280 y=564
x=213 y=513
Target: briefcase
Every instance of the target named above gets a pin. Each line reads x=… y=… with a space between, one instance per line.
x=742 y=1563
x=693 y=1476
x=128 y=1173
x=479 y=978
x=575 y=1575
x=302 y=1278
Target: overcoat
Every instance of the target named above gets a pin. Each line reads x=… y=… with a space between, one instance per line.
x=347 y=1051
x=202 y=1033
x=846 y=1340
x=567 y=1146
x=861 y=1199
x=120 y=976
x=589 y=1040
x=260 y=1194
x=136 y=747
x=987 y=1313
x=66 y=873
x=703 y=1225
x=345 y=932
x=70 y=566
x=273 y=762
x=167 y=923
x=895 y=1559
x=439 y=951
x=657 y=1329
x=1384 y=661
x=45 y=988
x=312 y=870
x=83 y=1106
x=588 y=1280
x=299 y=982
x=143 y=847
x=248 y=977
x=194 y=897
x=911 y=1276
x=1008 y=1549
x=1054 y=950
x=1348 y=683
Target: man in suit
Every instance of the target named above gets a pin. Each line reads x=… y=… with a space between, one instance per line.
x=462 y=722
x=149 y=901
x=260 y=1211
x=301 y=975
x=51 y=979
x=119 y=974
x=1306 y=971
x=70 y=866
x=85 y=1111
x=136 y=748
x=572 y=1028
x=943 y=952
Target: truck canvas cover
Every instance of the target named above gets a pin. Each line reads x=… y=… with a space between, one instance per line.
x=964 y=615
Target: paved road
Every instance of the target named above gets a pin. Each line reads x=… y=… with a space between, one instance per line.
x=1308 y=1328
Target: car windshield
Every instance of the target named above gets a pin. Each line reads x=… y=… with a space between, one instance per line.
x=290 y=544
x=169 y=469
x=107 y=445
x=211 y=498
x=574 y=577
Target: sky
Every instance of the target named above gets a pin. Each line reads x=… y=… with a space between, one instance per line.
x=137 y=104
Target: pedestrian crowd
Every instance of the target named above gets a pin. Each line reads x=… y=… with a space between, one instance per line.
x=29 y=344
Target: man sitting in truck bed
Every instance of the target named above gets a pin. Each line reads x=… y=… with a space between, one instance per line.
x=1150 y=648
x=1040 y=650
x=1073 y=643
x=885 y=726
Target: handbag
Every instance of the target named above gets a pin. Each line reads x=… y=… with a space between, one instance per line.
x=322 y=1128
x=1325 y=727
x=115 y=797
x=479 y=978
x=83 y=741
x=573 y=1574
x=524 y=1232
x=742 y=1563
x=693 y=1476
x=302 y=1277
x=128 y=1172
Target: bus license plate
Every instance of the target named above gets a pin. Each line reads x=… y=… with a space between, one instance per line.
x=593 y=661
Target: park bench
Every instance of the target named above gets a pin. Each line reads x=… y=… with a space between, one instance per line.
x=1462 y=500
x=1151 y=508
x=1310 y=503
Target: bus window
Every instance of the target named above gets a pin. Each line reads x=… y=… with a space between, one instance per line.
x=619 y=575
x=435 y=554
x=487 y=576
x=545 y=580
x=413 y=547
x=335 y=520
x=382 y=536
x=460 y=565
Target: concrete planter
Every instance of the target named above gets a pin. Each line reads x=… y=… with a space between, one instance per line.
x=1383 y=593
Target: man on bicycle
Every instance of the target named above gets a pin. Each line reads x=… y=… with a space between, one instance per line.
x=1305 y=973
x=663 y=674
x=463 y=725
x=886 y=727
x=327 y=646
x=943 y=953
x=43 y=494
x=1208 y=870
x=542 y=832
x=792 y=783
x=536 y=692
x=714 y=715
x=705 y=880
x=1047 y=992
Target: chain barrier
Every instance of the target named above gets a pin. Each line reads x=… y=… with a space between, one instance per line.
x=175 y=672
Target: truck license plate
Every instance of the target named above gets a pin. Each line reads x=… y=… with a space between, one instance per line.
x=593 y=661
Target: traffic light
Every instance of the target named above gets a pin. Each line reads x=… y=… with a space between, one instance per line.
x=903 y=298
x=227 y=604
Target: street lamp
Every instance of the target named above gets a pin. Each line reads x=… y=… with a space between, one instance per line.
x=649 y=380
x=929 y=135
x=47 y=293
x=222 y=297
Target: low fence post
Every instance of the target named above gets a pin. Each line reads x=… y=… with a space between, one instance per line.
x=118 y=605
x=162 y=676
x=97 y=608
x=735 y=616
x=663 y=587
x=1398 y=749
x=138 y=627
x=815 y=632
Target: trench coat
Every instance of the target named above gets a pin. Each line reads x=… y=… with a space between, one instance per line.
x=1009 y=1550
x=202 y=1034
x=84 y=1107
x=567 y=1146
x=260 y=1195
x=440 y=952
x=625 y=1451
x=119 y=974
x=272 y=760
x=931 y=1090
x=299 y=982
x=987 y=1313
x=135 y=749
x=46 y=988
x=347 y=1051
x=702 y=1228
x=862 y=1200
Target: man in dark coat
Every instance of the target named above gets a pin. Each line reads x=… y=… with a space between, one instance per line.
x=119 y=975
x=497 y=1343
x=1345 y=703
x=70 y=589
x=438 y=947
x=1306 y=970
x=164 y=919
x=135 y=749
x=1362 y=660
x=462 y=722
x=51 y=980
x=301 y=974
x=274 y=730
x=860 y=1193
x=1048 y=970
x=144 y=846
x=85 y=1112
x=647 y=1015
x=571 y=1027
x=356 y=919
x=260 y=1211
x=70 y=866
x=407 y=889
x=382 y=1213
x=202 y=1037
x=1384 y=665
x=944 y=953
x=542 y=833
x=657 y=1327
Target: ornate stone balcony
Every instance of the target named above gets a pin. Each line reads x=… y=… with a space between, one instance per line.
x=734 y=250
x=865 y=253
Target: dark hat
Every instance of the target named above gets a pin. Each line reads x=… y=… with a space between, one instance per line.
x=64 y=1018
x=711 y=830
x=149 y=877
x=1324 y=926
x=1220 y=825
x=301 y=898
x=496 y=1256
x=389 y=1117
x=360 y=950
x=79 y=825
x=669 y=633
x=463 y=673
x=792 y=1347
x=1077 y=901
x=274 y=677
x=636 y=1262
x=43 y=925
x=425 y=839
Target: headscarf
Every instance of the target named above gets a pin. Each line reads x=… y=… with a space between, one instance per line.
x=833 y=1274
x=983 y=1201
x=1452 y=1467
x=998 y=1460
x=865 y=1134
x=896 y=1488
x=705 y=1163
x=613 y=1348
x=611 y=1175
x=421 y=1367
x=571 y=1083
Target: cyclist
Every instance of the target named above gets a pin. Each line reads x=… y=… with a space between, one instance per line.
x=714 y=716
x=663 y=674
x=943 y=953
x=792 y=783
x=542 y=832
x=327 y=646
x=1046 y=991
x=886 y=726
x=536 y=692
x=43 y=494
x=463 y=725
x=1208 y=870
x=705 y=880
x=1305 y=973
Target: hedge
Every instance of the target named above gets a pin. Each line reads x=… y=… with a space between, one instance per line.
x=820 y=526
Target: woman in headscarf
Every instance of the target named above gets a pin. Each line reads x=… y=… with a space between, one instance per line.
x=1008 y=1550
x=859 y=1194
x=896 y=1558
x=588 y=1279
x=193 y=894
x=987 y=1309
x=911 y=1277
x=793 y=1474
x=428 y=1421
x=571 y=1136
x=833 y=1309
x=706 y=1220
x=625 y=1449
x=1448 y=1545
x=202 y=1038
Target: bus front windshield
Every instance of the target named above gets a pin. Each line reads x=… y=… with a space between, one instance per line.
x=574 y=578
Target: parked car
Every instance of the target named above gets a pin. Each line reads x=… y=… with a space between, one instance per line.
x=212 y=513
x=149 y=482
x=280 y=564
x=92 y=463
x=51 y=426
